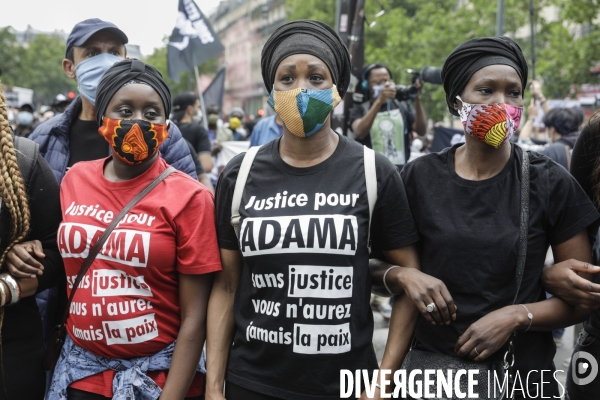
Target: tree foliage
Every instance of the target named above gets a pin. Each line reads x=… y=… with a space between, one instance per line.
x=320 y=10
x=37 y=66
x=416 y=33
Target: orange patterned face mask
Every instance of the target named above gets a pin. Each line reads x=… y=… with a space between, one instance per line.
x=493 y=124
x=133 y=141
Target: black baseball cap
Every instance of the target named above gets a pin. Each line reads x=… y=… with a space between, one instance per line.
x=85 y=29
x=181 y=102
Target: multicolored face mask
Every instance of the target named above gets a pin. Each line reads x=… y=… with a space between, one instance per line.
x=304 y=111
x=490 y=123
x=133 y=141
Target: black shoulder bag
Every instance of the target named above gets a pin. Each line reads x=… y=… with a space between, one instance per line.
x=57 y=339
x=499 y=388
x=27 y=155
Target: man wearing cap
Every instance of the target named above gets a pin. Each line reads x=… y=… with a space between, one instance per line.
x=187 y=116
x=92 y=48
x=61 y=102
x=26 y=121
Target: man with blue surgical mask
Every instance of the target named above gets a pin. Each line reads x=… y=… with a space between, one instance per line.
x=25 y=120
x=93 y=46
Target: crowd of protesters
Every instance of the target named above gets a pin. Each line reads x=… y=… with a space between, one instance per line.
x=243 y=261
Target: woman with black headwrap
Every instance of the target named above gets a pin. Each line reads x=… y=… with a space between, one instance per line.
x=295 y=288
x=137 y=320
x=468 y=206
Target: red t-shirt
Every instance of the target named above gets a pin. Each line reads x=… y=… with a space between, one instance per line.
x=127 y=304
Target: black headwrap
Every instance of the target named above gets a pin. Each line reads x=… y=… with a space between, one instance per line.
x=307 y=37
x=123 y=73
x=475 y=54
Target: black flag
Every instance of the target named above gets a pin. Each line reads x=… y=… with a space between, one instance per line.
x=192 y=42
x=445 y=137
x=213 y=94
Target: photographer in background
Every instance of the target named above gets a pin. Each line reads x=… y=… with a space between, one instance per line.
x=385 y=119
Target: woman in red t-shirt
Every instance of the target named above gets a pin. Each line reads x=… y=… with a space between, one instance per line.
x=140 y=310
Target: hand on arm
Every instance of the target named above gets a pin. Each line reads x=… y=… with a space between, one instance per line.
x=20 y=260
x=489 y=333
x=423 y=289
x=569 y=278
x=193 y=297
x=221 y=324
x=564 y=280
x=22 y=265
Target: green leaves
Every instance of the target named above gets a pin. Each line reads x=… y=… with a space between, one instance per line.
x=416 y=33
x=37 y=66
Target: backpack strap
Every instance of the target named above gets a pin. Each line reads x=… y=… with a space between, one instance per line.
x=568 y=151
x=240 y=183
x=371 y=182
x=27 y=155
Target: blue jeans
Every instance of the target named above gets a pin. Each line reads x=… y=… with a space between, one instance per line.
x=587 y=347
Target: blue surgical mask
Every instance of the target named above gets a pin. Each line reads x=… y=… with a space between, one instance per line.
x=25 y=118
x=89 y=73
x=377 y=90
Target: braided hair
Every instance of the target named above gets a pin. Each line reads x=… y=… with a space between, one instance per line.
x=12 y=186
x=14 y=197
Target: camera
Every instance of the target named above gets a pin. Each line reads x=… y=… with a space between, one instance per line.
x=404 y=92
x=427 y=74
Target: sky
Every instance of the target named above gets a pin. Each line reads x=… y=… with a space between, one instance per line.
x=145 y=22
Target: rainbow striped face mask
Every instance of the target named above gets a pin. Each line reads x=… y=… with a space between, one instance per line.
x=490 y=123
x=304 y=111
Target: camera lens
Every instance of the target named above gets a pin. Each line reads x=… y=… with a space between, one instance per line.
x=406 y=92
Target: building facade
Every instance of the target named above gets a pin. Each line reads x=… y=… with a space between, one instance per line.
x=243 y=27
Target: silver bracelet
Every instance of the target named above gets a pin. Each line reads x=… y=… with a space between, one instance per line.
x=529 y=315
x=2 y=295
x=377 y=385
x=384 y=275
x=13 y=285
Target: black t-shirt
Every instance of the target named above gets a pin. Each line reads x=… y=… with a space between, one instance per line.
x=85 y=143
x=22 y=341
x=559 y=153
x=469 y=232
x=302 y=306
x=196 y=135
x=583 y=163
x=407 y=111
x=197 y=164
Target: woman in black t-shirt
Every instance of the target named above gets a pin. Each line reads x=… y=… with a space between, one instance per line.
x=466 y=204
x=562 y=279
x=29 y=218
x=295 y=288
